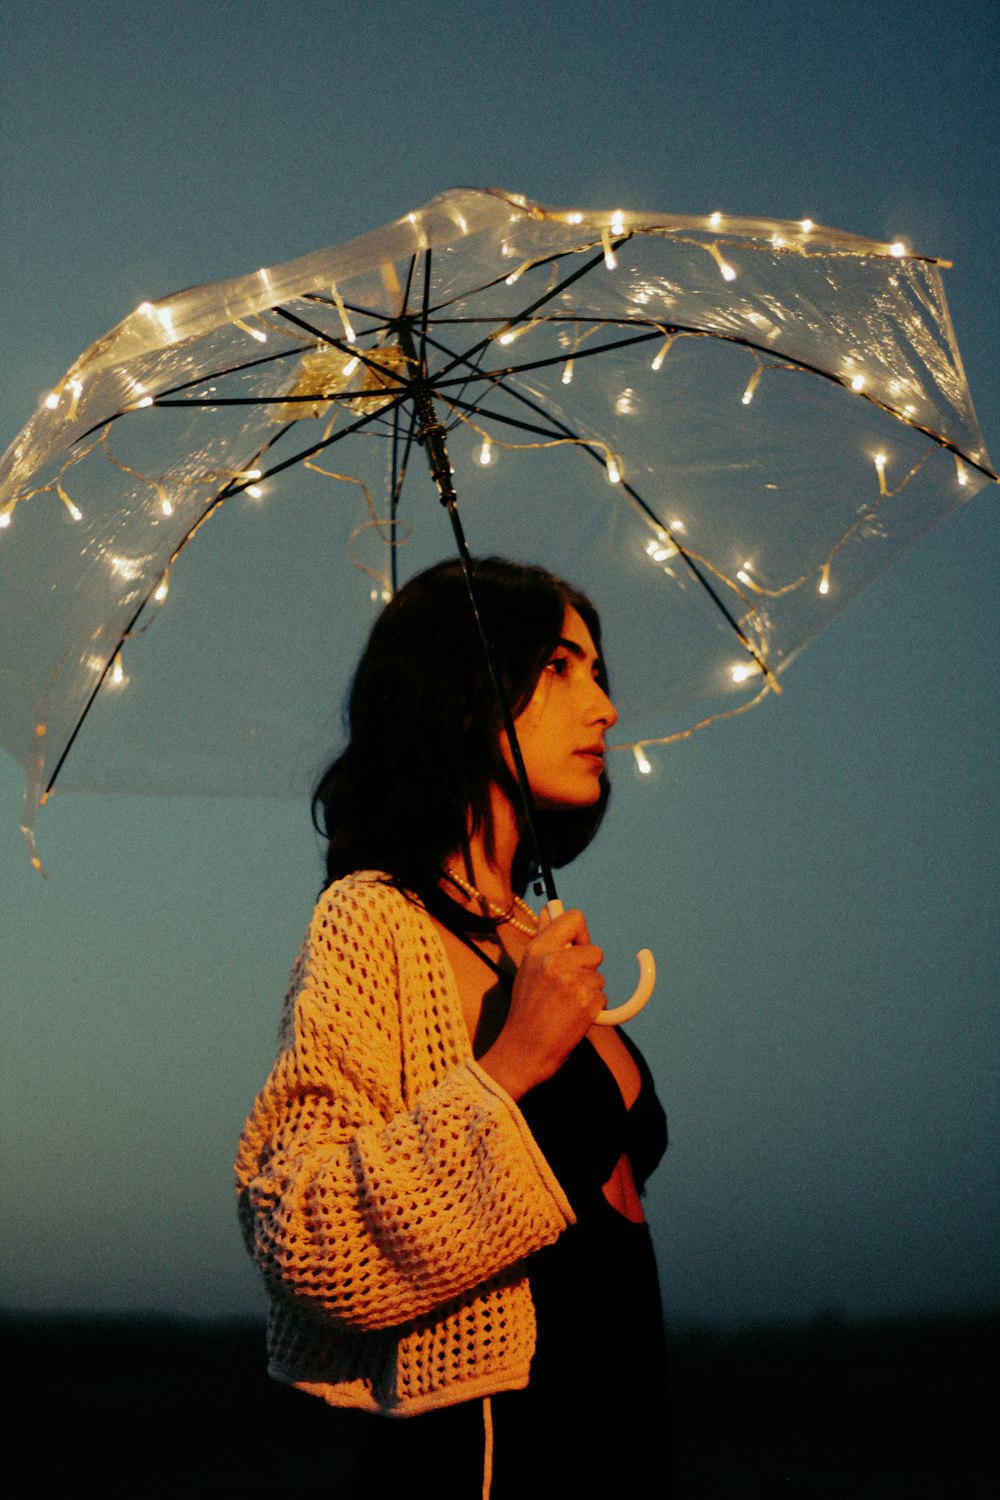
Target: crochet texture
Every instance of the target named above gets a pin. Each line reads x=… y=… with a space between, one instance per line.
x=389 y=1190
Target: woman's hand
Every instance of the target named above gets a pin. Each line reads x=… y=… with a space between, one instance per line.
x=557 y=993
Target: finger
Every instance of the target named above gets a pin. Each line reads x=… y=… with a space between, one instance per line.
x=578 y=959
x=562 y=932
x=588 y=956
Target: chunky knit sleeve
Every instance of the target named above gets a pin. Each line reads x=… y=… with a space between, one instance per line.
x=382 y=1173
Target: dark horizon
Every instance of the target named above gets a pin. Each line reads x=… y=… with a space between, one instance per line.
x=898 y=1410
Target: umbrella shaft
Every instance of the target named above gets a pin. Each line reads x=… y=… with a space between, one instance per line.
x=507 y=717
x=432 y=436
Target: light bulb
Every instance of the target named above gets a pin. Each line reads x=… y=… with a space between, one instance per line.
x=747 y=396
x=349 y=333
x=614 y=470
x=255 y=333
x=880 y=463
x=486 y=452
x=642 y=762
x=517 y=273
x=567 y=374
x=727 y=271
x=661 y=550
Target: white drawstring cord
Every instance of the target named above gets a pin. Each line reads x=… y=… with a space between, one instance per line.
x=487 y=1446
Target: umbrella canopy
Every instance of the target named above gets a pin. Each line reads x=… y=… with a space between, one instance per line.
x=723 y=429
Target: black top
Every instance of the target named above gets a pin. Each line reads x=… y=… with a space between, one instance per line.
x=595 y=1413
x=579 y=1119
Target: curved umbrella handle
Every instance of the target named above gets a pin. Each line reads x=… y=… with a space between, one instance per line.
x=616 y=1014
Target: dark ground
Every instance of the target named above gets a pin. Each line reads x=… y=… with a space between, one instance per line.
x=159 y=1407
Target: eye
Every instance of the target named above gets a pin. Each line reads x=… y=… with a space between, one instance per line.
x=559 y=664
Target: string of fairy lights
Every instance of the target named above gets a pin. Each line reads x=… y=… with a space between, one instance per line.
x=368 y=376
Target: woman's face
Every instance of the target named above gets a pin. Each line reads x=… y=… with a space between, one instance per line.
x=561 y=730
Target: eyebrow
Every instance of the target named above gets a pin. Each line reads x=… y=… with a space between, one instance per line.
x=576 y=650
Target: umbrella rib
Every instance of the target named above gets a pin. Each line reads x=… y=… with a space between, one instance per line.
x=555 y=359
x=327 y=442
x=485 y=286
x=318 y=333
x=399 y=468
x=410 y=270
x=532 y=307
x=774 y=356
x=560 y=432
x=560 y=429
x=335 y=343
x=229 y=489
x=475 y=371
x=546 y=260
x=366 y=312
x=165 y=400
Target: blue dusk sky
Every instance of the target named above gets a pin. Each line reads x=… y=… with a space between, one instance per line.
x=818 y=879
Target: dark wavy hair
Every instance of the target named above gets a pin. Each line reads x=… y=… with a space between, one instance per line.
x=424 y=726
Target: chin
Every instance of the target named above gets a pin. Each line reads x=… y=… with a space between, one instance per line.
x=576 y=802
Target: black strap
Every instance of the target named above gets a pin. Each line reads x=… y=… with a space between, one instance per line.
x=454 y=917
x=505 y=978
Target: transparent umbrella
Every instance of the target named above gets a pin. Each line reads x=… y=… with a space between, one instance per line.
x=722 y=429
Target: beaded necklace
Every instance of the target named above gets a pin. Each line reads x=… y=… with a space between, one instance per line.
x=529 y=927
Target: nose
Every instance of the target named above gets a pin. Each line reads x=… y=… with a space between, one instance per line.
x=604 y=711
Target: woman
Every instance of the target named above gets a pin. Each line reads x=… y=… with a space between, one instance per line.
x=440 y=1180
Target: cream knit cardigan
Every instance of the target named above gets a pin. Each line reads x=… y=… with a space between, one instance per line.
x=389 y=1189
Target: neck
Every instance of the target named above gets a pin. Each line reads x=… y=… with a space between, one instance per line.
x=491 y=873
